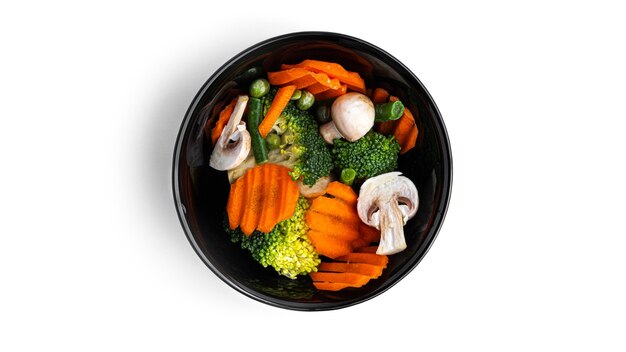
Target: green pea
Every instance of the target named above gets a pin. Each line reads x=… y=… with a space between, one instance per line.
x=259 y=87
x=322 y=114
x=296 y=95
x=273 y=141
x=306 y=100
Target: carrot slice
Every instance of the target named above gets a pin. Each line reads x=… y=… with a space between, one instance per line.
x=379 y=95
x=327 y=245
x=342 y=191
x=318 y=88
x=222 y=121
x=265 y=223
x=282 y=97
x=333 y=225
x=332 y=93
x=285 y=76
x=330 y=286
x=337 y=208
x=316 y=78
x=352 y=79
x=355 y=280
x=373 y=271
x=369 y=233
x=368 y=249
x=234 y=207
x=367 y=258
x=261 y=198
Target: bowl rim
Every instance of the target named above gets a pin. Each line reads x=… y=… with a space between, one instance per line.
x=314 y=306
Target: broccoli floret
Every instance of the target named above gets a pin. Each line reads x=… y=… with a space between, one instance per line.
x=286 y=248
x=302 y=143
x=371 y=155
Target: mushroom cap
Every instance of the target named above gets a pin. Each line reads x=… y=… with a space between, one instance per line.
x=379 y=191
x=353 y=115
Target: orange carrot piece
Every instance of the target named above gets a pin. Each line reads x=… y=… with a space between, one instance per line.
x=358 y=244
x=265 y=223
x=282 y=97
x=234 y=207
x=367 y=258
x=330 y=286
x=317 y=88
x=332 y=225
x=379 y=95
x=368 y=233
x=373 y=271
x=355 y=280
x=335 y=207
x=332 y=93
x=316 y=78
x=342 y=191
x=328 y=245
x=222 y=121
x=352 y=79
x=282 y=77
x=368 y=249
x=264 y=196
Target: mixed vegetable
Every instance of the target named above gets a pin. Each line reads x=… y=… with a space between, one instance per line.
x=296 y=149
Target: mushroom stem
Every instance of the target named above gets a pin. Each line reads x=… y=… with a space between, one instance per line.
x=330 y=132
x=392 y=229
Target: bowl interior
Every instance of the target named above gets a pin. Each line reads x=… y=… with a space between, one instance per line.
x=201 y=192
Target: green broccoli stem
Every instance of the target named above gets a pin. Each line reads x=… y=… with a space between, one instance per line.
x=259 y=148
x=347 y=176
x=388 y=111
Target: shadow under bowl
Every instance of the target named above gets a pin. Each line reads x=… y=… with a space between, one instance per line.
x=200 y=192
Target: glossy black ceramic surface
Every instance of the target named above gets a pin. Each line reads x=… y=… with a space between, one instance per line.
x=200 y=193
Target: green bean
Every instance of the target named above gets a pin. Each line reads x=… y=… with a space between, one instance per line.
x=259 y=87
x=259 y=148
x=347 y=176
x=388 y=111
x=306 y=100
x=273 y=141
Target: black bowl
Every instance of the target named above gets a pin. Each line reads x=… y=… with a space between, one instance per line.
x=200 y=193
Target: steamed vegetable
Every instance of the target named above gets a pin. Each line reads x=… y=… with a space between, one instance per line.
x=259 y=148
x=352 y=117
x=259 y=88
x=279 y=102
x=387 y=202
x=388 y=111
x=352 y=79
x=286 y=247
x=379 y=95
x=306 y=100
x=233 y=145
x=352 y=270
x=308 y=154
x=404 y=129
x=369 y=156
x=261 y=198
x=222 y=121
x=347 y=176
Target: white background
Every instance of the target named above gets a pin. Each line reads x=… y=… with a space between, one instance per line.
x=530 y=257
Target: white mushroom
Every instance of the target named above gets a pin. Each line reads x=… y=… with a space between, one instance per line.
x=233 y=146
x=318 y=189
x=353 y=116
x=387 y=202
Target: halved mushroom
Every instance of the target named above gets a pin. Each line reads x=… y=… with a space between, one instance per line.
x=233 y=146
x=387 y=202
x=353 y=116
